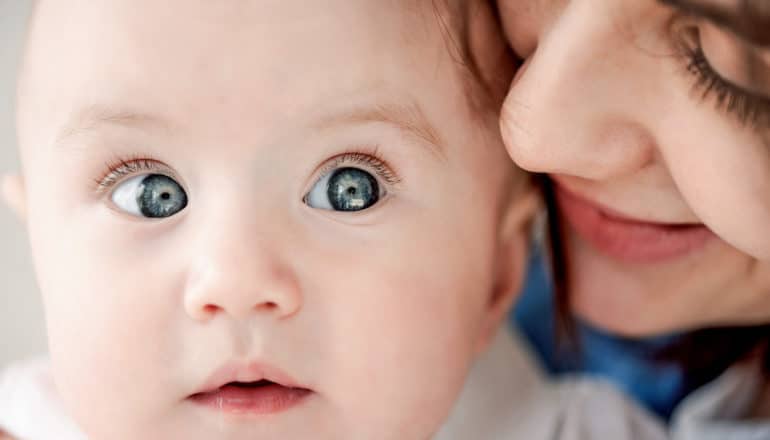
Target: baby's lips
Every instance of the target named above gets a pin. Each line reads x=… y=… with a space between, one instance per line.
x=247 y=372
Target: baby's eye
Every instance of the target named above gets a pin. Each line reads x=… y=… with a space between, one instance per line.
x=344 y=189
x=150 y=195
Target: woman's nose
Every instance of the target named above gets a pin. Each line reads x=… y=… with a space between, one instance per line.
x=573 y=106
x=241 y=278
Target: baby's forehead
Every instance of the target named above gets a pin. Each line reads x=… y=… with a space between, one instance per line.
x=262 y=55
x=238 y=24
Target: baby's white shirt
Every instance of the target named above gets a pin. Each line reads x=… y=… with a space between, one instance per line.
x=30 y=408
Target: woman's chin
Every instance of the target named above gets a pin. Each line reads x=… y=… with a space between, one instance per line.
x=646 y=299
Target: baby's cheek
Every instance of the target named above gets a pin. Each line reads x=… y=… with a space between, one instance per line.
x=408 y=313
x=106 y=320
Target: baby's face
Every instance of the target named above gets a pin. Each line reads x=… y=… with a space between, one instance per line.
x=275 y=190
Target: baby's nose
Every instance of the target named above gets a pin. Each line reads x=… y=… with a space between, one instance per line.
x=241 y=290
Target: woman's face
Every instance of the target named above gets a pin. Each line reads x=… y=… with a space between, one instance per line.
x=654 y=123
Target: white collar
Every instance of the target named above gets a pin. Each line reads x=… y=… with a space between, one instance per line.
x=29 y=405
x=727 y=407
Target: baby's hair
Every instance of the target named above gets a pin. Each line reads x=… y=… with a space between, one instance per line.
x=487 y=70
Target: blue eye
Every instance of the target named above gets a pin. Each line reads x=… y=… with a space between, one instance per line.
x=344 y=189
x=150 y=195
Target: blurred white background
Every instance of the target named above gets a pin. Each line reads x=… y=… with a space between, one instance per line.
x=22 y=332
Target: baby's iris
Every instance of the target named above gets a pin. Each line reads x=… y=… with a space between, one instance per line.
x=345 y=189
x=150 y=195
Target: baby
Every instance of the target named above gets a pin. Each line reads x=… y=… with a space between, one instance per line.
x=272 y=219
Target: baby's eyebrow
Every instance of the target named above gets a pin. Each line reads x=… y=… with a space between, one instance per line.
x=407 y=117
x=91 y=117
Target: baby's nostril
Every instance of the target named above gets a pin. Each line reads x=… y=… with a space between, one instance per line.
x=268 y=306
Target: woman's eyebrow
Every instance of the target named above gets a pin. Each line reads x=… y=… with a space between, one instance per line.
x=749 y=19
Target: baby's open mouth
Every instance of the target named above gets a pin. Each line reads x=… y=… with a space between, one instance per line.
x=257 y=384
x=257 y=397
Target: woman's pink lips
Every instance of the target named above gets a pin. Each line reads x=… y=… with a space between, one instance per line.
x=629 y=240
x=262 y=400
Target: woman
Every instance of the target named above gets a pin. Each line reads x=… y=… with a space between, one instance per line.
x=652 y=121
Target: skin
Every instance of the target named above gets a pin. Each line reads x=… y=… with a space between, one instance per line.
x=245 y=101
x=606 y=106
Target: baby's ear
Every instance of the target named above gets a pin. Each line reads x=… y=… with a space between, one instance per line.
x=14 y=194
x=511 y=263
x=520 y=211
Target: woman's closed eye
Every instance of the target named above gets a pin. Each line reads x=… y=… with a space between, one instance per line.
x=732 y=72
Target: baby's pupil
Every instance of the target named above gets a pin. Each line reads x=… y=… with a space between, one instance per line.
x=351 y=189
x=161 y=197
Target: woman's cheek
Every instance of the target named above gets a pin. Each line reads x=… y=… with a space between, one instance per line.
x=724 y=176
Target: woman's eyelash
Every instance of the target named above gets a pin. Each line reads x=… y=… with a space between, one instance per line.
x=749 y=108
x=120 y=168
x=371 y=160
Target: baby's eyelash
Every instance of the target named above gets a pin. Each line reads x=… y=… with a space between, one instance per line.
x=122 y=167
x=750 y=109
x=371 y=160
